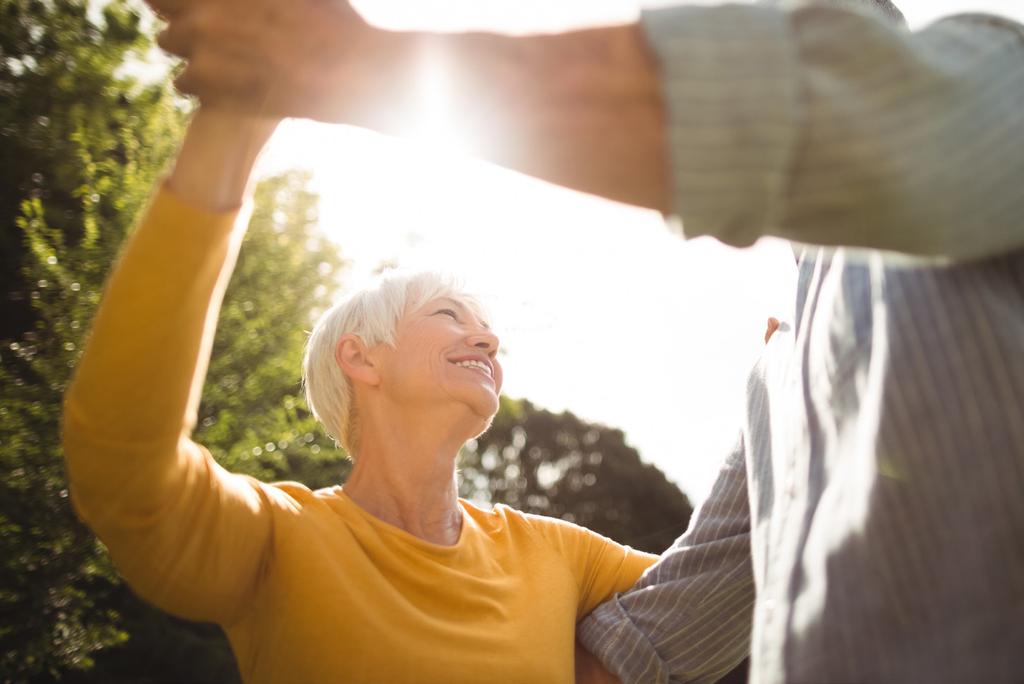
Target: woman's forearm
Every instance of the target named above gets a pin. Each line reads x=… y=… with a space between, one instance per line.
x=214 y=166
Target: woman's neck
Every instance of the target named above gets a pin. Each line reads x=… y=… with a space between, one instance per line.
x=408 y=480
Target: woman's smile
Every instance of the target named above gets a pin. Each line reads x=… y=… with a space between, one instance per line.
x=476 y=363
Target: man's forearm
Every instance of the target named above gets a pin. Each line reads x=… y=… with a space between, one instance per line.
x=580 y=109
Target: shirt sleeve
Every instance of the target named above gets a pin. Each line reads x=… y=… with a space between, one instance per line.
x=831 y=124
x=601 y=566
x=689 y=617
x=186 y=534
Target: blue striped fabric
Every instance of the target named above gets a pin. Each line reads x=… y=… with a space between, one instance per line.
x=869 y=524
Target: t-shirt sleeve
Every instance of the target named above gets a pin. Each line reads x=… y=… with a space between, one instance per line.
x=601 y=566
x=186 y=534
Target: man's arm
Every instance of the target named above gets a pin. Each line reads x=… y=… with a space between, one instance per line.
x=689 y=617
x=581 y=109
x=827 y=124
x=831 y=124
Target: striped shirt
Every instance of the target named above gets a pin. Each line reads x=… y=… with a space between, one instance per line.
x=869 y=523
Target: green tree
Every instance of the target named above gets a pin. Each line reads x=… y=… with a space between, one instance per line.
x=253 y=416
x=81 y=146
x=558 y=465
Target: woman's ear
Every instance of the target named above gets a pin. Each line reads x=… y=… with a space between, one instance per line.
x=354 y=358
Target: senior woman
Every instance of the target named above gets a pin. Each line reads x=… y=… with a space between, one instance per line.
x=390 y=578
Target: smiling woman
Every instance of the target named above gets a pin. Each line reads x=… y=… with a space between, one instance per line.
x=369 y=318
x=392 y=578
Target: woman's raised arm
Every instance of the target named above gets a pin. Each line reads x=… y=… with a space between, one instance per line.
x=186 y=534
x=214 y=166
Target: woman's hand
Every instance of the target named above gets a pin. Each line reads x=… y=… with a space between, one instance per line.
x=216 y=159
x=773 y=325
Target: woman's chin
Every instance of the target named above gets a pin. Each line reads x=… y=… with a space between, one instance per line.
x=484 y=409
x=481 y=399
x=484 y=426
x=480 y=404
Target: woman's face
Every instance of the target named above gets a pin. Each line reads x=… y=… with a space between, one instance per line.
x=444 y=353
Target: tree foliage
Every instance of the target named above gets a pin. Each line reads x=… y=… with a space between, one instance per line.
x=561 y=466
x=253 y=417
x=81 y=147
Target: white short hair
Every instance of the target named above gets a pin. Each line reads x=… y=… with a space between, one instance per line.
x=372 y=314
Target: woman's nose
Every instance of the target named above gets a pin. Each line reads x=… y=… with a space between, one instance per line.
x=484 y=340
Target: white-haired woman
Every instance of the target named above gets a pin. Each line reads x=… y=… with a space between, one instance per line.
x=391 y=578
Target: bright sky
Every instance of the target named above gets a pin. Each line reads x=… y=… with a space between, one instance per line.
x=601 y=309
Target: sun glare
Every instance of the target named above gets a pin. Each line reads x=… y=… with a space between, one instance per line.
x=430 y=124
x=578 y=287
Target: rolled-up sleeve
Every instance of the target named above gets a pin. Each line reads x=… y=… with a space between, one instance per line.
x=689 y=616
x=831 y=124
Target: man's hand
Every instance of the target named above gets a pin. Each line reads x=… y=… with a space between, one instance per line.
x=590 y=670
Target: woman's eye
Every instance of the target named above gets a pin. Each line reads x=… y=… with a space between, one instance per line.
x=447 y=312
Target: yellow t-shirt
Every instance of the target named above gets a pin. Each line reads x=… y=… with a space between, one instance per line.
x=307 y=585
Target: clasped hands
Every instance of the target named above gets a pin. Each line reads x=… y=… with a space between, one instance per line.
x=312 y=59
